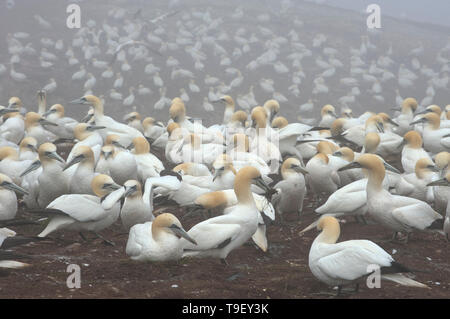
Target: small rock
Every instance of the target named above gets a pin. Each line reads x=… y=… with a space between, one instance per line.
x=174 y=286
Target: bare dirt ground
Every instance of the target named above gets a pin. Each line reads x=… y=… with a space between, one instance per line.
x=281 y=272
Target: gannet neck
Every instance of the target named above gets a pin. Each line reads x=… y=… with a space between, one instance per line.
x=242 y=185
x=7 y=152
x=330 y=230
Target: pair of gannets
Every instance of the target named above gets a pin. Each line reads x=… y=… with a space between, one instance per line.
x=344 y=263
x=435 y=139
x=398 y=213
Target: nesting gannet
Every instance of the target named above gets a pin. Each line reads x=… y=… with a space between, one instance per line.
x=445 y=183
x=81 y=212
x=11 y=165
x=87 y=135
x=435 y=139
x=125 y=132
x=13 y=127
x=441 y=194
x=425 y=171
x=412 y=151
x=65 y=125
x=133 y=119
x=80 y=181
x=137 y=207
x=28 y=149
x=409 y=106
x=398 y=213
x=157 y=240
x=148 y=165
x=53 y=182
x=155 y=132
x=194 y=169
x=8 y=198
x=338 y=264
x=218 y=236
x=292 y=189
x=34 y=127
x=328 y=114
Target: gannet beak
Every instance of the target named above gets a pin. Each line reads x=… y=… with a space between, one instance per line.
x=182 y=233
x=14 y=188
x=92 y=128
x=300 y=169
x=107 y=155
x=423 y=112
x=78 y=101
x=43 y=121
x=312 y=226
x=130 y=147
x=7 y=110
x=55 y=156
x=74 y=161
x=87 y=118
x=112 y=186
x=421 y=120
x=392 y=122
x=334 y=114
x=35 y=165
x=261 y=184
x=48 y=113
x=115 y=143
x=129 y=191
x=380 y=127
x=439 y=182
x=33 y=148
x=349 y=166
x=391 y=168
x=433 y=168
x=217 y=173
x=396 y=108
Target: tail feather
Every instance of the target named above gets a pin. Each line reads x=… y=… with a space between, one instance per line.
x=403 y=280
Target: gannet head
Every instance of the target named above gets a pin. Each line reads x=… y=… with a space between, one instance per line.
x=7 y=184
x=386 y=119
x=244 y=177
x=371 y=142
x=376 y=122
x=88 y=100
x=445 y=181
x=442 y=161
x=239 y=116
x=328 y=109
x=140 y=145
x=431 y=108
x=29 y=142
x=133 y=189
x=168 y=223
x=221 y=164
x=132 y=116
x=325 y=147
x=424 y=166
x=177 y=110
x=346 y=153
x=279 y=122
x=107 y=151
x=57 y=109
x=347 y=113
x=412 y=139
x=102 y=185
x=259 y=117
x=82 y=154
x=113 y=139
x=431 y=119
x=227 y=100
x=330 y=229
x=9 y=153
x=292 y=166
x=47 y=153
x=409 y=105
x=337 y=127
x=82 y=131
x=14 y=103
x=33 y=119
x=272 y=107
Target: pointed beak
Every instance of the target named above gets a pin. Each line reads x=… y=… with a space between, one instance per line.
x=380 y=127
x=424 y=112
x=181 y=233
x=92 y=128
x=43 y=121
x=77 y=101
x=87 y=118
x=421 y=120
x=129 y=191
x=14 y=188
x=74 y=161
x=55 y=156
x=261 y=184
x=300 y=169
x=391 y=168
x=112 y=187
x=440 y=182
x=349 y=166
x=433 y=168
x=130 y=147
x=34 y=166
x=392 y=122
x=7 y=110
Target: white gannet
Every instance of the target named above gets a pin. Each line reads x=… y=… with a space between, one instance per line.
x=157 y=240
x=435 y=139
x=80 y=181
x=8 y=198
x=398 y=213
x=409 y=106
x=412 y=151
x=65 y=125
x=81 y=212
x=137 y=207
x=291 y=190
x=87 y=135
x=28 y=149
x=445 y=183
x=338 y=264
x=148 y=165
x=328 y=114
x=13 y=127
x=34 y=127
x=218 y=236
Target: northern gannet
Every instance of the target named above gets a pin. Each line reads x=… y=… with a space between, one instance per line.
x=8 y=198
